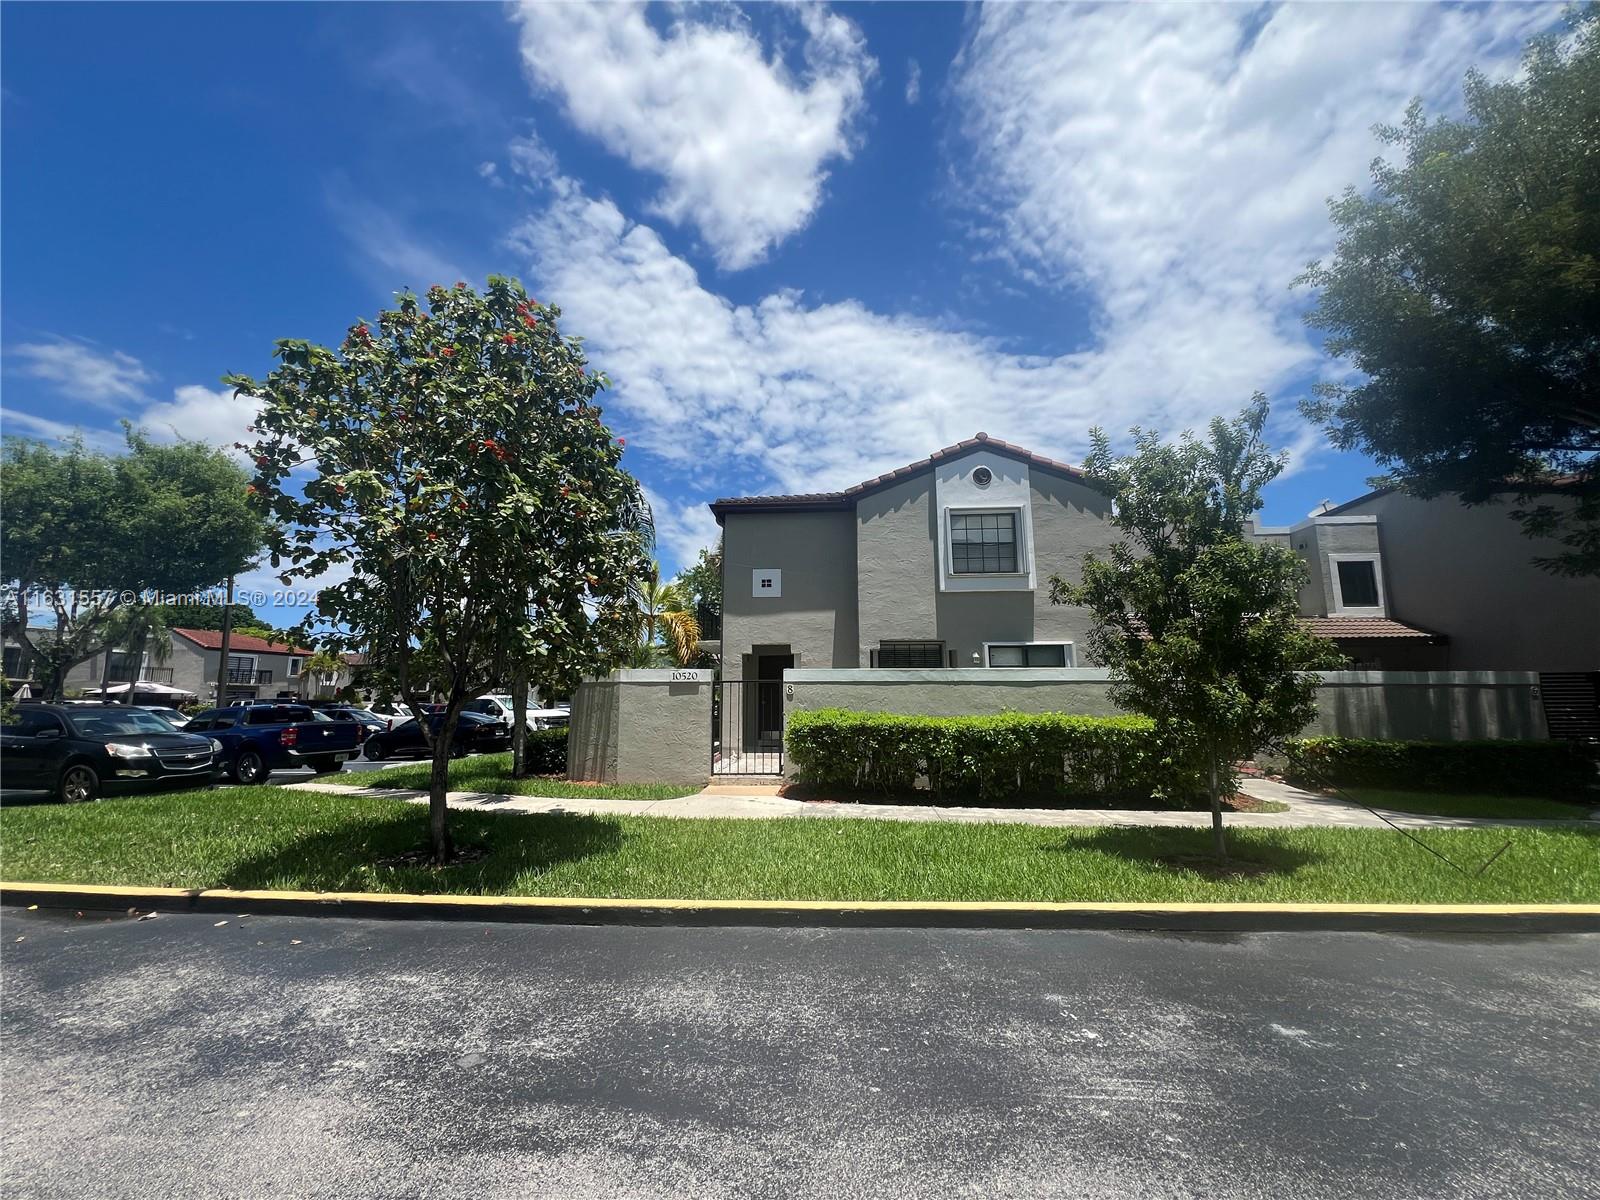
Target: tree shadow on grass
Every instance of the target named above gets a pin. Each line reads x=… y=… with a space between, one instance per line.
x=370 y=855
x=1177 y=851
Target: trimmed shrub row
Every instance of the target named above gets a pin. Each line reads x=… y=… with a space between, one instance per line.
x=1558 y=769
x=1013 y=755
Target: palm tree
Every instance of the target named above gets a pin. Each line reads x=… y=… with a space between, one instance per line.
x=143 y=632
x=664 y=613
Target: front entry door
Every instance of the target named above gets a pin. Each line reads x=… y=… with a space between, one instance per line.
x=769 y=699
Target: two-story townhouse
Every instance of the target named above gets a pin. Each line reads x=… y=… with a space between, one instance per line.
x=945 y=563
x=258 y=669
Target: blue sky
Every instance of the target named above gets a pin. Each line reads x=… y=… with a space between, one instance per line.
x=808 y=244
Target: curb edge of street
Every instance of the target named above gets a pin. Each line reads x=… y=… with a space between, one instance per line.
x=1236 y=917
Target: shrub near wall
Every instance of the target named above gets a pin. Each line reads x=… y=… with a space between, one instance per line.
x=1096 y=759
x=1559 y=769
x=546 y=751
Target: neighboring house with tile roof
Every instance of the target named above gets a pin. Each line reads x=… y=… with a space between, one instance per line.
x=945 y=563
x=258 y=669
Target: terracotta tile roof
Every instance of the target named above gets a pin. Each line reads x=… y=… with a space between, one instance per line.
x=816 y=501
x=1341 y=628
x=211 y=639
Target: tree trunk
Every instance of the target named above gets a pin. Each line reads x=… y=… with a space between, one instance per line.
x=439 y=783
x=227 y=637
x=519 y=722
x=105 y=676
x=1217 y=838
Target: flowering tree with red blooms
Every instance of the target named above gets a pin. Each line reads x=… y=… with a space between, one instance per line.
x=450 y=457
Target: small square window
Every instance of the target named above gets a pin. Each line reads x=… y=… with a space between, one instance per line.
x=766 y=582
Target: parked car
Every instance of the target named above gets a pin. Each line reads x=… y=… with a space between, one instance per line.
x=258 y=739
x=475 y=734
x=367 y=722
x=393 y=713
x=172 y=716
x=80 y=751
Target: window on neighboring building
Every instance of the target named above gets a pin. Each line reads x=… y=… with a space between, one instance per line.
x=294 y=667
x=983 y=543
x=1030 y=654
x=910 y=655
x=1356 y=580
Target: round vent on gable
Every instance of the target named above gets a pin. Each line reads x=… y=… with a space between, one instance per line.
x=982 y=477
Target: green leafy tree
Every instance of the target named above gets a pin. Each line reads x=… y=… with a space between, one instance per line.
x=450 y=457
x=1198 y=625
x=701 y=584
x=140 y=630
x=668 y=629
x=1465 y=289
x=320 y=669
x=84 y=534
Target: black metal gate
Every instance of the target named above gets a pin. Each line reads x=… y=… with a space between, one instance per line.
x=747 y=727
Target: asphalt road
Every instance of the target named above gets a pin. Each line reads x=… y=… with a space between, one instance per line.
x=324 y=1057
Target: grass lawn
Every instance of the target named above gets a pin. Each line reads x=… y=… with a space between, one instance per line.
x=1447 y=804
x=274 y=838
x=492 y=773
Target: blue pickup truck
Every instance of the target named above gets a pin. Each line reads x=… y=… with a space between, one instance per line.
x=258 y=739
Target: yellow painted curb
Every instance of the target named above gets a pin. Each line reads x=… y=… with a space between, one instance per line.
x=968 y=913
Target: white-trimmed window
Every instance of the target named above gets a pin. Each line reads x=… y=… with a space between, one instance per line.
x=294 y=667
x=985 y=542
x=1357 y=584
x=1027 y=654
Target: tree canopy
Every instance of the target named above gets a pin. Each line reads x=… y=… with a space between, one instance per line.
x=85 y=535
x=1197 y=623
x=1465 y=290
x=450 y=460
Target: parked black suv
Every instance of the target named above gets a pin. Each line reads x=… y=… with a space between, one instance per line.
x=78 y=751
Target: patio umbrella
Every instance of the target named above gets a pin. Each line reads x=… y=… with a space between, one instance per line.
x=146 y=688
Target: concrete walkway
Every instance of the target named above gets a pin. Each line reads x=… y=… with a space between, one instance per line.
x=1306 y=809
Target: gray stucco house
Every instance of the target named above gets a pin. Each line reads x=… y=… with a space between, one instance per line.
x=945 y=563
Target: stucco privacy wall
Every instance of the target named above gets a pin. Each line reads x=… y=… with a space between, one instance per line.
x=642 y=727
x=1413 y=705
x=1430 y=706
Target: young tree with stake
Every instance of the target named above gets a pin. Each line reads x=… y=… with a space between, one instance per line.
x=1198 y=625
x=460 y=472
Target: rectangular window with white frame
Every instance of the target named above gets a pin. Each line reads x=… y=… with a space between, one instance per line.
x=1357 y=585
x=1027 y=654
x=294 y=667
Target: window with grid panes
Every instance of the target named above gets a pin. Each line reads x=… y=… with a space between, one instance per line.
x=983 y=543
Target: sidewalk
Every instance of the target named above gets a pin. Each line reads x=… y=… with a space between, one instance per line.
x=1306 y=810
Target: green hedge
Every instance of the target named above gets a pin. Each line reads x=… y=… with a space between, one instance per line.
x=547 y=751
x=1014 y=755
x=1560 y=769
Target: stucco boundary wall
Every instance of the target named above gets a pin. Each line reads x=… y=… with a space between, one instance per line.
x=1409 y=705
x=638 y=726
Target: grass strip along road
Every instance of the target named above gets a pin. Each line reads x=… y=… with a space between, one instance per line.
x=276 y=838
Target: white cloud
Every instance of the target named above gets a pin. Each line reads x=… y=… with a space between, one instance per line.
x=1175 y=160
x=913 y=81
x=739 y=139
x=804 y=397
x=490 y=172
x=682 y=529
x=201 y=414
x=82 y=371
x=1174 y=163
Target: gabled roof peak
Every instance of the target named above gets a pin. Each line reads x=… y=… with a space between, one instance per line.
x=821 y=501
